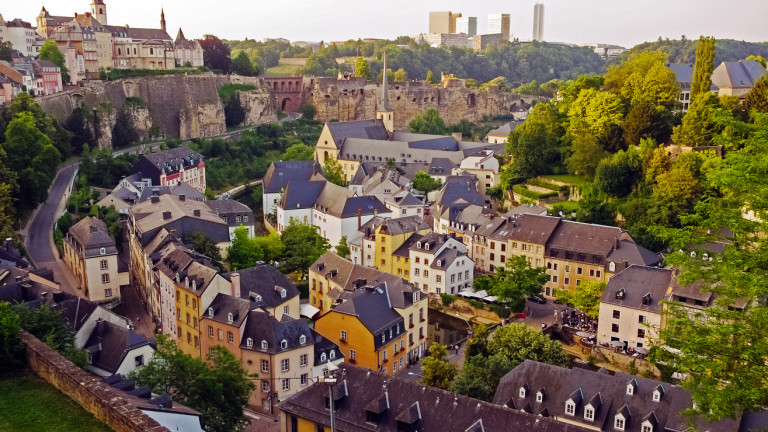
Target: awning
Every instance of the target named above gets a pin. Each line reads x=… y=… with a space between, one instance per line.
x=307 y=310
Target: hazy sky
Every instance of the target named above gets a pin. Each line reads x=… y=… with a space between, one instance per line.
x=622 y=22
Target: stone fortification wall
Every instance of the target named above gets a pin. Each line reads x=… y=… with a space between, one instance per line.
x=92 y=394
x=356 y=99
x=174 y=106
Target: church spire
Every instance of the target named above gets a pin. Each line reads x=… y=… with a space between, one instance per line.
x=162 y=19
x=385 y=88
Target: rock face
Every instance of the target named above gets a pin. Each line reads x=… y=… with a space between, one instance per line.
x=170 y=106
x=356 y=99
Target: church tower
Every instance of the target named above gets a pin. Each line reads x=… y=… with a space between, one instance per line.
x=162 y=19
x=99 y=11
x=384 y=112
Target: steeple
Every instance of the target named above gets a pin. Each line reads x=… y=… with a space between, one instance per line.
x=180 y=35
x=162 y=19
x=384 y=113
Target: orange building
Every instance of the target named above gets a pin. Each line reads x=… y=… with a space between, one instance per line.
x=223 y=324
x=368 y=330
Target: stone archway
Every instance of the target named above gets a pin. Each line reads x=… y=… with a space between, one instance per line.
x=286 y=102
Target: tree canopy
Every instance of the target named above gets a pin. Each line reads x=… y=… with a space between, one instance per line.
x=425 y=183
x=516 y=281
x=436 y=370
x=585 y=298
x=216 y=54
x=303 y=246
x=51 y=52
x=429 y=123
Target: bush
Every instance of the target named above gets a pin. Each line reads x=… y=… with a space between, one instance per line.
x=447 y=299
x=476 y=304
x=522 y=190
x=303 y=289
x=545 y=184
x=501 y=311
x=227 y=91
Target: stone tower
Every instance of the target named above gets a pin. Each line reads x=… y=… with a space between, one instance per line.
x=99 y=11
x=384 y=112
x=162 y=19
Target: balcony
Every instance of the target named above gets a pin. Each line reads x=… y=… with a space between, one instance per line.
x=385 y=360
x=410 y=325
x=353 y=361
x=343 y=341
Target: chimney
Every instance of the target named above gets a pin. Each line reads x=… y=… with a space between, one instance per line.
x=235 y=282
x=456 y=136
x=359 y=218
x=196 y=212
x=166 y=215
x=182 y=197
x=154 y=199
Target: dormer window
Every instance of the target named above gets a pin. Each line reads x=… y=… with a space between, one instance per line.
x=657 y=393
x=611 y=266
x=383 y=337
x=178 y=278
x=230 y=318
x=540 y=395
x=439 y=263
x=249 y=342
x=631 y=386
x=283 y=344
x=418 y=245
x=332 y=354
x=618 y=423
x=647 y=299
x=322 y=357
x=589 y=413
x=570 y=407
x=302 y=340
x=647 y=427
x=426 y=246
x=264 y=345
x=103 y=251
x=416 y=297
x=283 y=293
x=186 y=281
x=194 y=285
x=620 y=294
x=210 y=312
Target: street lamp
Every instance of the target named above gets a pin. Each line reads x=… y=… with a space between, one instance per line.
x=468 y=324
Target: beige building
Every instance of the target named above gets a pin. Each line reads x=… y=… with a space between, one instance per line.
x=91 y=255
x=442 y=22
x=103 y=38
x=188 y=52
x=737 y=78
x=630 y=308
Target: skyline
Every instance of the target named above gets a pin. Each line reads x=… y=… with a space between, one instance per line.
x=589 y=21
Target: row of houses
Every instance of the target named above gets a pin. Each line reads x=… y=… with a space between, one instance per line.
x=36 y=77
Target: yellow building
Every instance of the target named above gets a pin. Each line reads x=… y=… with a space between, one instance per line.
x=331 y=275
x=367 y=330
x=390 y=241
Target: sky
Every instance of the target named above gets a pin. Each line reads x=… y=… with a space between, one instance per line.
x=620 y=22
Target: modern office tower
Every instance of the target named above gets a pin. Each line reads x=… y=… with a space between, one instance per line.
x=499 y=23
x=467 y=25
x=440 y=22
x=538 y=22
x=455 y=16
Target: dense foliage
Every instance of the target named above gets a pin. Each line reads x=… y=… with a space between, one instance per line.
x=684 y=50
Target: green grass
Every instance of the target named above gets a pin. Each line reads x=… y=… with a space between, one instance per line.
x=566 y=206
x=226 y=91
x=570 y=179
x=522 y=190
x=27 y=403
x=286 y=68
x=543 y=184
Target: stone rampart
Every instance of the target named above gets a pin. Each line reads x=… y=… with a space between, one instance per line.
x=356 y=99
x=94 y=395
x=173 y=106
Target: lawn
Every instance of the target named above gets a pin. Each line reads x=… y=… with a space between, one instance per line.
x=27 y=403
x=286 y=68
x=567 y=206
x=570 y=179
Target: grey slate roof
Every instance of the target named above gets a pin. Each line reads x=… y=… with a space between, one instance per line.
x=301 y=194
x=262 y=280
x=370 y=129
x=168 y=161
x=262 y=326
x=281 y=173
x=740 y=74
x=683 y=73
x=505 y=129
x=373 y=308
x=368 y=205
x=324 y=345
x=109 y=343
x=458 y=190
x=231 y=209
x=411 y=407
x=643 y=288
x=223 y=305
x=91 y=234
x=560 y=383
x=441 y=167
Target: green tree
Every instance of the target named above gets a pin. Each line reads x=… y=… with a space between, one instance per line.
x=758 y=59
x=216 y=54
x=11 y=347
x=757 y=98
x=234 y=113
x=124 y=131
x=594 y=209
x=244 y=252
x=480 y=376
x=342 y=249
x=308 y=111
x=637 y=64
x=425 y=183
x=49 y=327
x=204 y=245
x=534 y=145
x=478 y=343
x=303 y=246
x=645 y=120
x=401 y=75
x=219 y=387
x=298 y=151
x=587 y=154
x=242 y=65
x=428 y=122
x=702 y=69
x=586 y=297
x=51 y=52
x=436 y=370
x=78 y=123
x=516 y=281
x=518 y=342
x=334 y=172
x=24 y=141
x=617 y=175
x=6 y=51
x=362 y=68
x=272 y=246
x=431 y=77
x=596 y=111
x=699 y=125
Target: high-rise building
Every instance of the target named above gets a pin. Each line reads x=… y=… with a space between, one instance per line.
x=538 y=22
x=455 y=16
x=467 y=25
x=499 y=23
x=440 y=22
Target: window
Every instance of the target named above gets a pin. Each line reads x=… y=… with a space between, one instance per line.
x=197 y=341
x=108 y=292
x=438 y=278
x=416 y=271
x=503 y=247
x=619 y=423
x=554 y=279
x=614 y=328
x=616 y=314
x=578 y=270
x=567 y=281
x=647 y=428
x=265 y=386
x=283 y=344
x=352 y=354
x=265 y=366
x=286 y=384
x=285 y=310
x=264 y=345
x=522 y=392
x=105 y=278
x=178 y=296
x=283 y=293
x=103 y=264
x=383 y=338
x=591 y=272
x=641 y=319
x=525 y=247
x=493 y=257
x=641 y=333
x=284 y=365
x=612 y=266
x=514 y=245
x=230 y=337
x=589 y=414
x=570 y=408
x=567 y=268
x=426 y=273
x=394 y=350
x=138 y=361
x=210 y=331
x=304 y=379
x=186 y=298
x=302 y=340
x=344 y=335
x=598 y=273
x=453 y=278
x=249 y=342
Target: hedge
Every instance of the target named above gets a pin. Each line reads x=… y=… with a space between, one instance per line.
x=544 y=184
x=522 y=190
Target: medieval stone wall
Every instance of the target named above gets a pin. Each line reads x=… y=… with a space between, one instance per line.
x=93 y=394
x=357 y=99
x=176 y=106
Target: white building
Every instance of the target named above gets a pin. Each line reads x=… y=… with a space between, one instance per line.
x=440 y=264
x=499 y=23
x=281 y=173
x=466 y=25
x=22 y=36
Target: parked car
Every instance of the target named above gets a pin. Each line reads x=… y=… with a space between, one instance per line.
x=537 y=299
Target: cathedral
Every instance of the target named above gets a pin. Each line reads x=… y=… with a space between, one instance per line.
x=90 y=44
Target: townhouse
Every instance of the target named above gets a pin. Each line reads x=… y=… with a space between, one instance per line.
x=440 y=264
